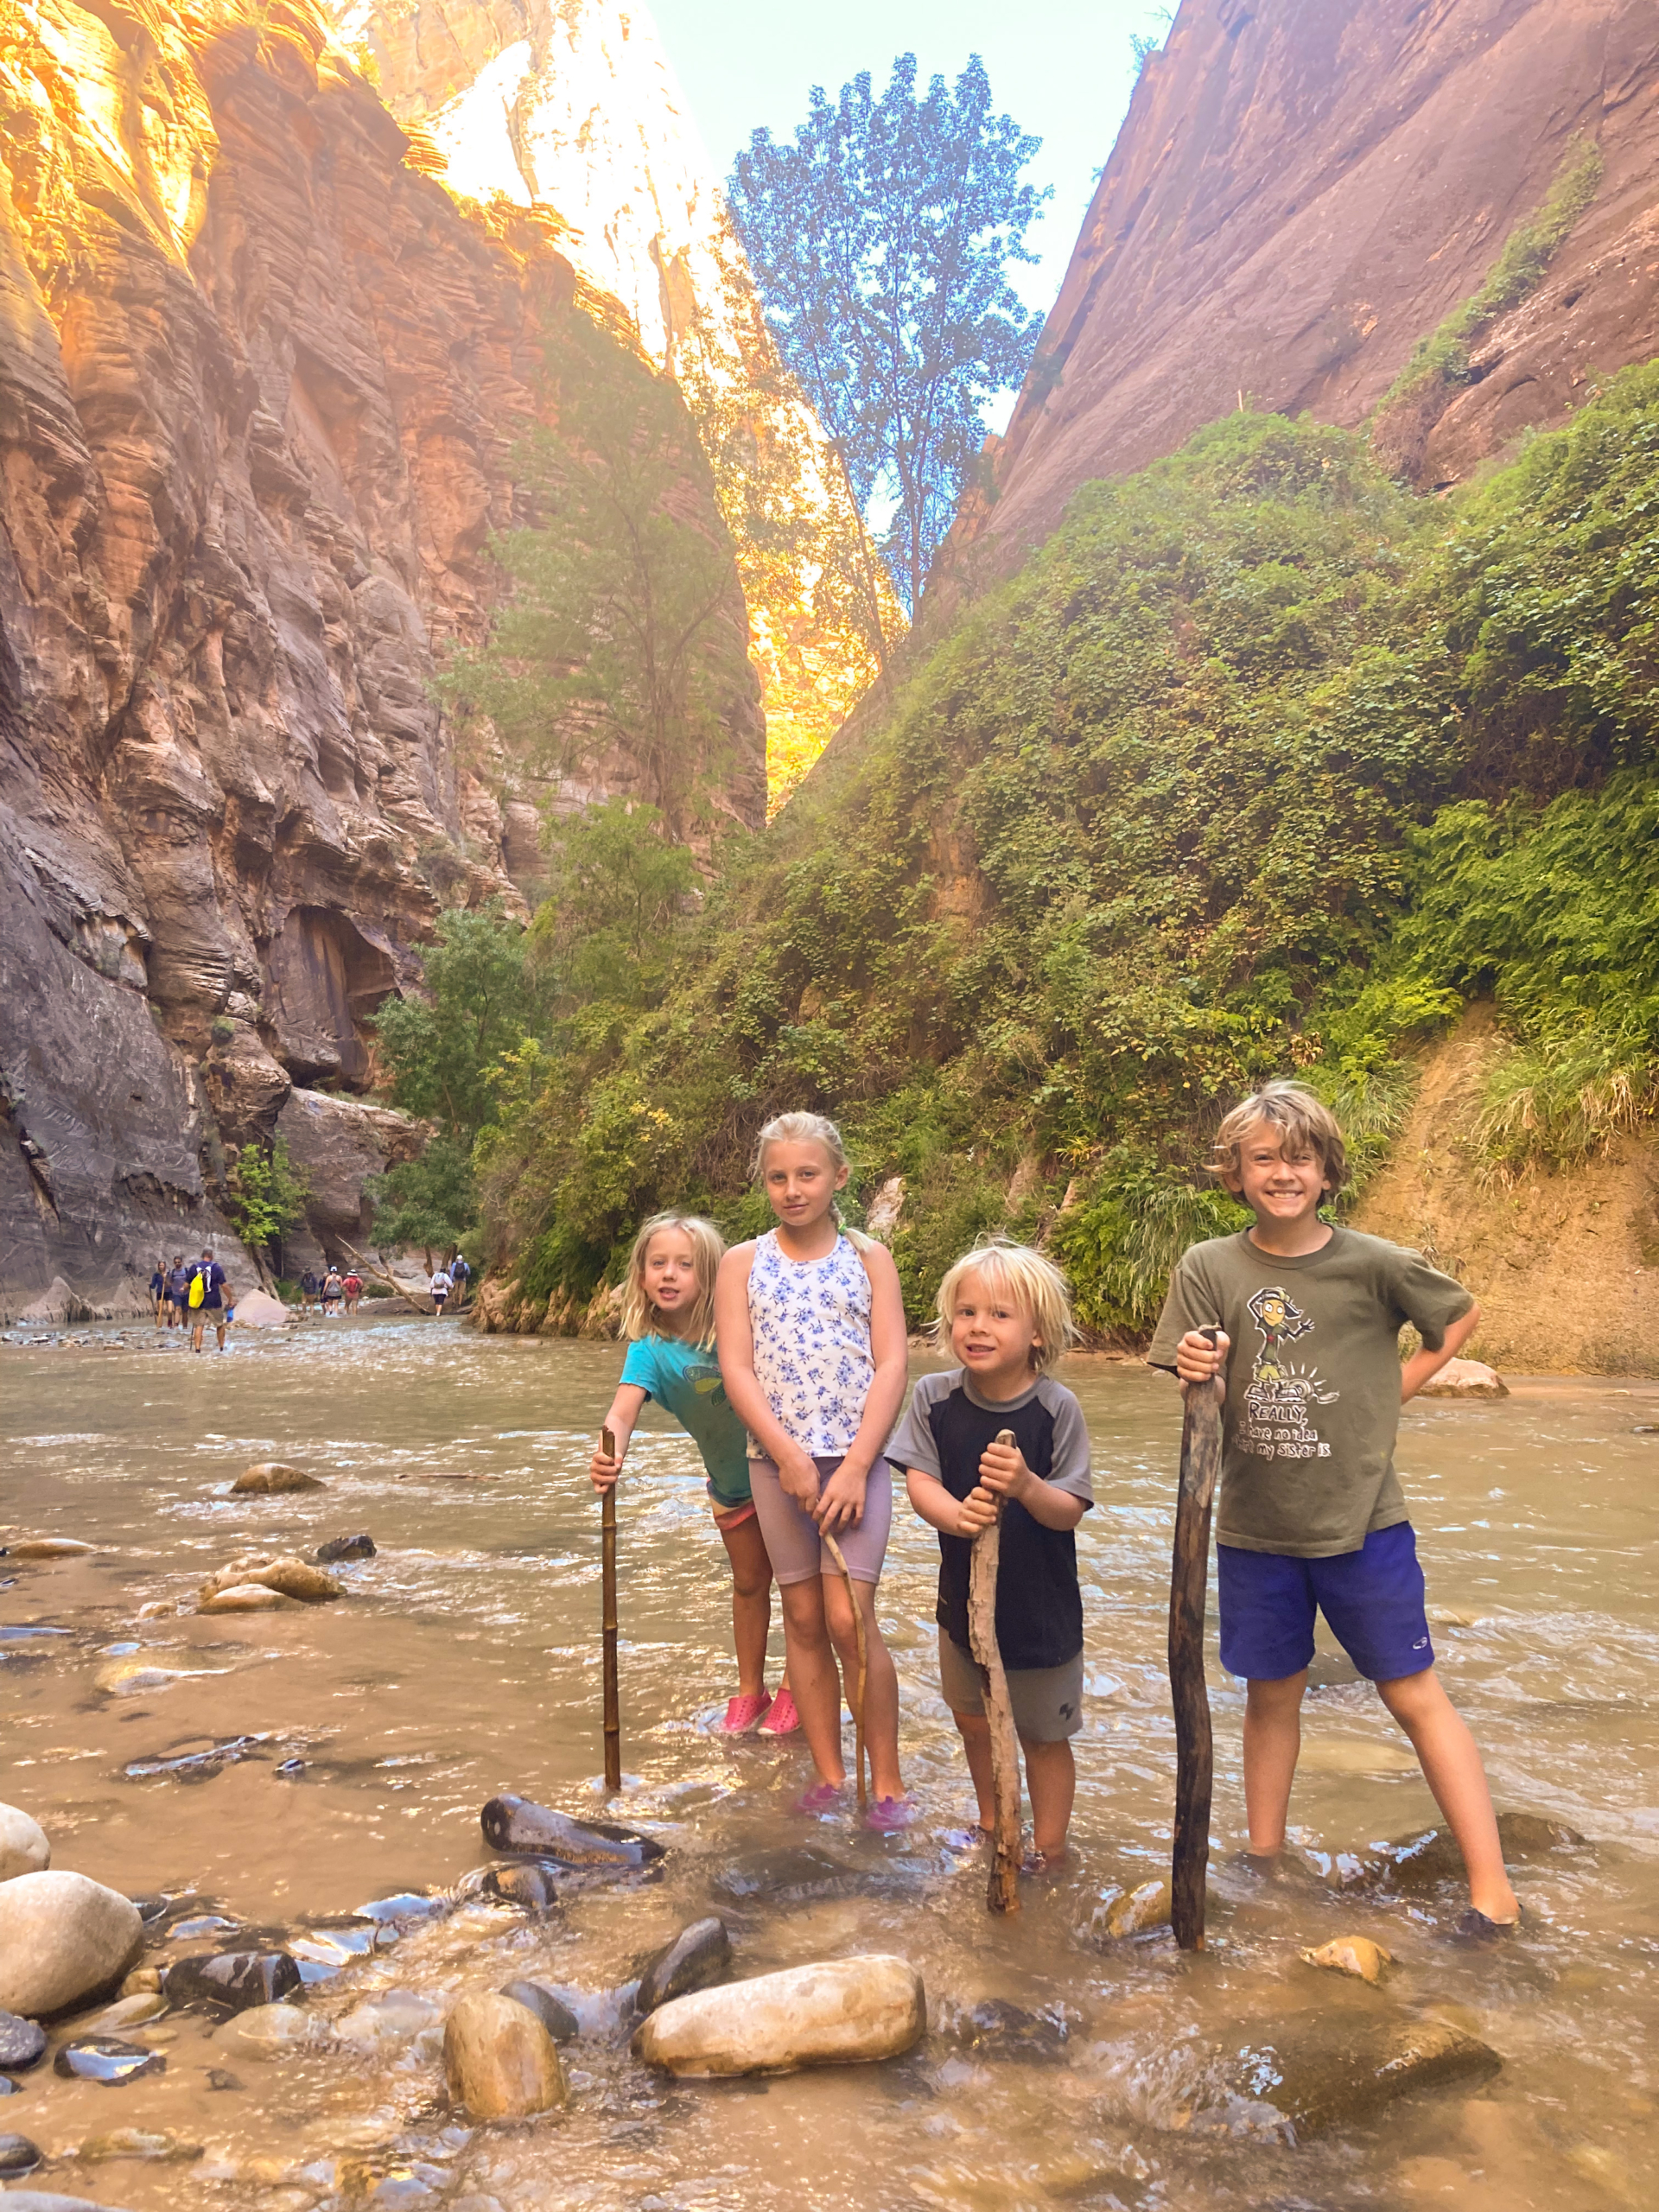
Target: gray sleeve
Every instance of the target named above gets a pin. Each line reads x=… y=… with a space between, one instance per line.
x=913 y=1444
x=1070 y=1470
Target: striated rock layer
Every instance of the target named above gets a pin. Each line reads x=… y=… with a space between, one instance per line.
x=1301 y=193
x=260 y=388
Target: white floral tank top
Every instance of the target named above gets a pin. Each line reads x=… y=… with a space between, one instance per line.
x=812 y=1329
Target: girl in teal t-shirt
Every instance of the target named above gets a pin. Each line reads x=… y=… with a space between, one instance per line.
x=668 y=1313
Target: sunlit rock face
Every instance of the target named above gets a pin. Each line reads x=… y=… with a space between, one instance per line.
x=571 y=105
x=261 y=386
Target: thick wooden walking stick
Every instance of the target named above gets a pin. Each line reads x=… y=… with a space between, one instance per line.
x=607 y=1618
x=1189 y=1571
x=1003 y=1891
x=835 y=1552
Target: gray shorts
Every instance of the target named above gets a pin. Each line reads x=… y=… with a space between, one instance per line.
x=793 y=1545
x=1047 y=1701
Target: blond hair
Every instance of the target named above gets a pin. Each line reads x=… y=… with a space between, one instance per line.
x=1305 y=1123
x=1028 y=1281
x=639 y=1317
x=807 y=1129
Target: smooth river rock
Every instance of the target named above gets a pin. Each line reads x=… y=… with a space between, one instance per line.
x=700 y=1957
x=23 y=1847
x=532 y=1883
x=1466 y=1378
x=62 y=1937
x=1139 y=1913
x=1418 y=1862
x=23 y=2044
x=109 y=2060
x=500 y=2061
x=837 y=2013
x=344 y=1547
x=47 y=1548
x=48 y=2200
x=1351 y=1954
x=271 y=1479
x=295 y=1578
x=246 y=1598
x=548 y=2008
x=519 y=1825
x=266 y=2030
x=1327 y=2071
x=18 y=2155
x=395 y=2016
x=232 y=1981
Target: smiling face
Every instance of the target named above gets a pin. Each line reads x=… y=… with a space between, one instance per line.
x=801 y=1180
x=670 y=1271
x=992 y=1335
x=1280 y=1186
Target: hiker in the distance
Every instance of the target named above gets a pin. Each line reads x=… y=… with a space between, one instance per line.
x=440 y=1287
x=333 y=1290
x=352 y=1284
x=207 y=1300
x=309 y=1290
x=178 y=1291
x=460 y=1274
x=158 y=1294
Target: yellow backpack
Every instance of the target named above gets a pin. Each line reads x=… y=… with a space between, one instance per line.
x=198 y=1287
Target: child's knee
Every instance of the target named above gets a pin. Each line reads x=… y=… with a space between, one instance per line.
x=973 y=1726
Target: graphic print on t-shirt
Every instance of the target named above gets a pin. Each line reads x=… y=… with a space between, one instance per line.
x=1276 y=1422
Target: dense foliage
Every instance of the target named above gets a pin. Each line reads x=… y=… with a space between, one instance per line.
x=1260 y=764
x=880 y=239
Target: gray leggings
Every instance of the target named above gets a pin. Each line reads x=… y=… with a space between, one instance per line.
x=793 y=1544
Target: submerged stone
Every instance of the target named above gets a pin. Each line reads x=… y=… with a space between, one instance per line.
x=22 y=2043
x=549 y=2009
x=519 y=1826
x=842 y=2013
x=232 y=1981
x=1139 y=1913
x=995 y=2026
x=1352 y=1955
x=498 y=2060
x=794 y=1874
x=1327 y=2072
x=1419 y=1862
x=292 y=1577
x=18 y=2155
x=48 y=1547
x=107 y=2059
x=395 y=2016
x=274 y=1478
x=530 y=1883
x=265 y=2030
x=245 y=1598
x=699 y=1957
x=405 y=1905
x=151 y=2143
x=344 y=1547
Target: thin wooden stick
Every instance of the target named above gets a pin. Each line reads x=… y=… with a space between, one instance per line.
x=1189 y=1571
x=607 y=1594
x=835 y=1552
x=1003 y=1892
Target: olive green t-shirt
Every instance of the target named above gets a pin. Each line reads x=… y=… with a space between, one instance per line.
x=1312 y=1381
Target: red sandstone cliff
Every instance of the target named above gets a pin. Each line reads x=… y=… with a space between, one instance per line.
x=1302 y=190
x=260 y=386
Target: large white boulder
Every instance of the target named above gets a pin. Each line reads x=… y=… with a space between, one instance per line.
x=61 y=1937
x=833 y=2014
x=23 y=1847
x=1466 y=1378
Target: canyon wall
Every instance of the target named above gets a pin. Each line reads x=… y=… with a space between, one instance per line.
x=1300 y=193
x=260 y=388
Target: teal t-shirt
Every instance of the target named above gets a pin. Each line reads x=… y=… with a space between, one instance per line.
x=685 y=1381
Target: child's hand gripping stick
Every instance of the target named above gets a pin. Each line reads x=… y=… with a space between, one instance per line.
x=1002 y=1893
x=607 y=1624
x=1188 y=1568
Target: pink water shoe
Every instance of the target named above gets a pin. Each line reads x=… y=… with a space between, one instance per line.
x=824 y=1799
x=890 y=1816
x=743 y=1713
x=783 y=1719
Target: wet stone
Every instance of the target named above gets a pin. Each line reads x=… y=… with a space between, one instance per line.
x=22 y=2043
x=526 y=1829
x=8 y=2088
x=796 y=1874
x=394 y=2016
x=344 y=1547
x=1351 y=1954
x=1419 y=1862
x=837 y=2012
x=1329 y=2071
x=273 y=1479
x=498 y=2060
x=404 y=1906
x=551 y=2011
x=999 y=2029
x=107 y=2059
x=530 y=1883
x=151 y=2143
x=17 y=2156
x=699 y=1957
x=232 y=1981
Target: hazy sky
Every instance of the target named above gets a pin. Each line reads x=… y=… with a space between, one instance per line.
x=1062 y=68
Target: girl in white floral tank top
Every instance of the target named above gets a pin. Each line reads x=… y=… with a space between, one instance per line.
x=811 y=1327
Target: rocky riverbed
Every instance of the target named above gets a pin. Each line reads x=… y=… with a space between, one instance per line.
x=320 y=1959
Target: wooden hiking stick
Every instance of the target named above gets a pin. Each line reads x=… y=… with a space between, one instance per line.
x=1189 y=1569
x=607 y=1615
x=1003 y=1892
x=835 y=1552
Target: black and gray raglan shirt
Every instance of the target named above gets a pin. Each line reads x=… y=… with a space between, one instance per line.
x=945 y=1432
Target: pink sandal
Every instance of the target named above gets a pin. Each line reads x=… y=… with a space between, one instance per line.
x=742 y=1713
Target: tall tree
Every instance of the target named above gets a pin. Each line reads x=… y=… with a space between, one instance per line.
x=882 y=240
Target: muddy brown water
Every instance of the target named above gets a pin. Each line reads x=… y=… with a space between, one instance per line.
x=465 y=1660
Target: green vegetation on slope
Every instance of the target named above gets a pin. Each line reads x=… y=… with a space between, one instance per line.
x=1260 y=764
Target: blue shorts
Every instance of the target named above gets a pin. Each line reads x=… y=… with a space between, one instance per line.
x=1373 y=1599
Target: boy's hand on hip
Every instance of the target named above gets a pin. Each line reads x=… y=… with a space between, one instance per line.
x=1003 y=1471
x=1197 y=1360
x=841 y=1505
x=976 y=1512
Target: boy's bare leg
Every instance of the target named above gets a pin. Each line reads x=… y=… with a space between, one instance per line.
x=1273 y=1738
x=1052 y=1781
x=976 y=1732
x=1452 y=1767
x=746 y=1548
x=812 y=1677
x=881 y=1687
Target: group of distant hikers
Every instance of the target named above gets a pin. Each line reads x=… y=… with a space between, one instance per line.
x=196 y=1293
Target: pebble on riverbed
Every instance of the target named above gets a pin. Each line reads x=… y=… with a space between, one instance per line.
x=107 y=2059
x=23 y=1847
x=344 y=1547
x=1352 y=1955
x=528 y=1830
x=271 y=1479
x=500 y=2061
x=840 y=2013
x=23 y=2044
x=47 y=1548
x=1139 y=1913
x=247 y=1598
x=17 y=2156
x=62 y=1937
x=548 y=2008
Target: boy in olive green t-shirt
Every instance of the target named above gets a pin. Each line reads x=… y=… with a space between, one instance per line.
x=1310 y=1515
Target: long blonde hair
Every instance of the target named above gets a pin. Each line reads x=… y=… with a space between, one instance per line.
x=1032 y=1284
x=639 y=1317
x=808 y=1128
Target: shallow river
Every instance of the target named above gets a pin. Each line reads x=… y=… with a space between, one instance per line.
x=465 y=1660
